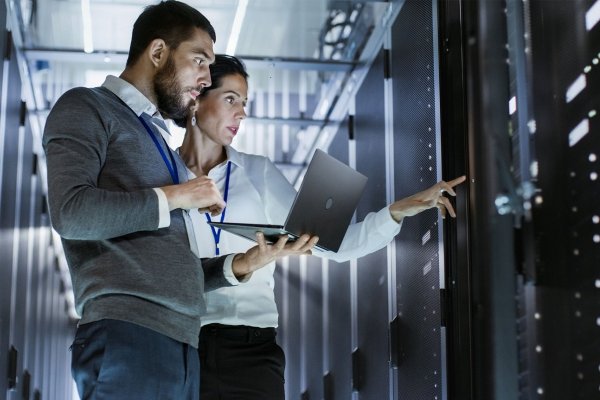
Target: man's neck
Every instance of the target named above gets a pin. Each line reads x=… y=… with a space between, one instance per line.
x=141 y=80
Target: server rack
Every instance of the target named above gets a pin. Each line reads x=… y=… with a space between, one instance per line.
x=500 y=304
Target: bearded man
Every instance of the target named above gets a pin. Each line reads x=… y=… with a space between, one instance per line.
x=118 y=196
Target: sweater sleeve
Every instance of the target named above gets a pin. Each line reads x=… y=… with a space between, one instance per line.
x=214 y=276
x=76 y=139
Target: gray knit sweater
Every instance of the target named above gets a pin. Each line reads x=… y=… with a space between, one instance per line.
x=102 y=166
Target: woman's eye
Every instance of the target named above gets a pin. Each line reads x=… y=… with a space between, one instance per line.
x=198 y=61
x=230 y=100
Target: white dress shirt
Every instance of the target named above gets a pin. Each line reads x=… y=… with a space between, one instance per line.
x=260 y=193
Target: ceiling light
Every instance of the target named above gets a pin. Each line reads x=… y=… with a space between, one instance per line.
x=240 y=14
x=88 y=43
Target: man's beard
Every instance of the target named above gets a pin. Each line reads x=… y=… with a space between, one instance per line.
x=169 y=93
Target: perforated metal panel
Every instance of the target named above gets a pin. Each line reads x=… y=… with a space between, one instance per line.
x=417 y=149
x=288 y=294
x=384 y=337
x=337 y=379
x=372 y=324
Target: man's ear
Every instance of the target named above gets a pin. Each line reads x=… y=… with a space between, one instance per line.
x=157 y=52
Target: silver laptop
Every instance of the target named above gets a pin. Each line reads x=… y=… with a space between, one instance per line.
x=324 y=205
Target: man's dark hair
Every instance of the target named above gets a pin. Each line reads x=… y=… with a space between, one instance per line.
x=171 y=21
x=224 y=65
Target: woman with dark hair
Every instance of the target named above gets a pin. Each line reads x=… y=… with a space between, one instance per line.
x=239 y=356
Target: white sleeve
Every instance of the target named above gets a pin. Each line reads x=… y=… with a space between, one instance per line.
x=366 y=237
x=164 y=219
x=228 y=272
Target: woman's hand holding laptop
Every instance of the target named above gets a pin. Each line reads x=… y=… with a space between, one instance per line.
x=263 y=253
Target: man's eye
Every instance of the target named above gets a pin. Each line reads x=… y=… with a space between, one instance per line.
x=198 y=61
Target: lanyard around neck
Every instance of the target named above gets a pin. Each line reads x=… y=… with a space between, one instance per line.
x=172 y=166
x=217 y=232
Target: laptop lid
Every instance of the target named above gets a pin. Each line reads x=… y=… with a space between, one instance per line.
x=326 y=201
x=324 y=205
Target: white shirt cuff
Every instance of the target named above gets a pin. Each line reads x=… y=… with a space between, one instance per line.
x=386 y=223
x=228 y=272
x=164 y=216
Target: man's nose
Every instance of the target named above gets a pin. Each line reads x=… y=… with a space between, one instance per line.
x=204 y=79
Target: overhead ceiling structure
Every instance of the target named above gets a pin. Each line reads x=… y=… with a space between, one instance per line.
x=306 y=60
x=299 y=53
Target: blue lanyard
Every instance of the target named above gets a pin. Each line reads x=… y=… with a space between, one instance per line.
x=217 y=232
x=172 y=166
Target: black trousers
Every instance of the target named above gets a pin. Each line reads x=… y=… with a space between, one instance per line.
x=240 y=363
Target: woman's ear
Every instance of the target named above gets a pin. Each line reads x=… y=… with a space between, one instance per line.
x=192 y=113
x=157 y=52
x=194 y=107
